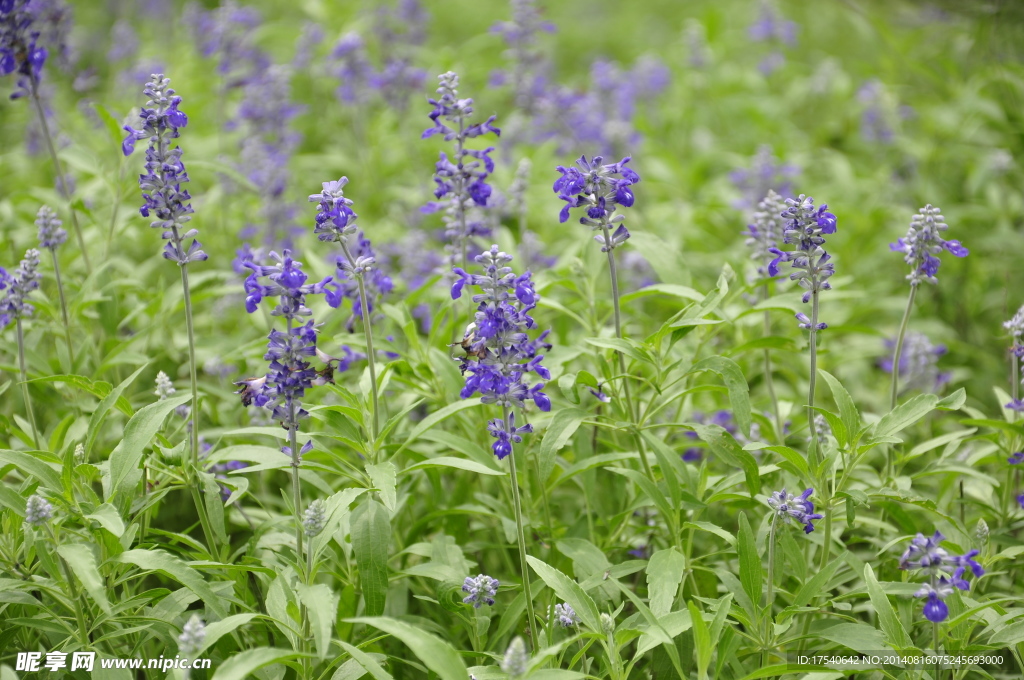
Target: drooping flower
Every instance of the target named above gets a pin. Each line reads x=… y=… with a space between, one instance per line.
x=38 y=510
x=919 y=369
x=923 y=243
x=15 y=305
x=500 y=353
x=800 y=508
x=935 y=610
x=51 y=234
x=162 y=184
x=481 y=589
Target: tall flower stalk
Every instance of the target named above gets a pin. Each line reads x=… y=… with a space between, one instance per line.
x=920 y=247
x=499 y=357
x=167 y=203
x=51 y=237
x=336 y=223
x=14 y=307
x=599 y=189
x=462 y=179
x=21 y=53
x=764 y=234
x=288 y=352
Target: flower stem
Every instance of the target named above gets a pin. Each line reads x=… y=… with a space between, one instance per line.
x=198 y=492
x=769 y=381
x=633 y=412
x=83 y=630
x=770 y=592
x=813 y=377
x=897 y=355
x=24 y=385
x=63 y=307
x=364 y=305
x=61 y=182
x=524 y=566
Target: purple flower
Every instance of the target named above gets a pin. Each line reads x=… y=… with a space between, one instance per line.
x=789 y=507
x=51 y=234
x=765 y=233
x=165 y=199
x=461 y=180
x=771 y=27
x=806 y=228
x=926 y=553
x=598 y=189
x=529 y=71
x=923 y=243
x=506 y=433
x=21 y=22
x=481 y=589
x=227 y=33
x=15 y=305
x=919 y=369
x=766 y=174
x=935 y=610
x=565 y=615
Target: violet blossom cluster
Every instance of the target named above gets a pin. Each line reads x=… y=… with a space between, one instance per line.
x=461 y=180
x=161 y=184
x=775 y=30
x=923 y=243
x=766 y=173
x=599 y=190
x=336 y=223
x=288 y=352
x=21 y=50
x=481 y=589
x=500 y=353
x=14 y=305
x=806 y=228
x=919 y=359
x=788 y=508
x=765 y=232
x=401 y=30
x=1015 y=326
x=528 y=73
x=945 y=571
x=51 y=232
x=226 y=33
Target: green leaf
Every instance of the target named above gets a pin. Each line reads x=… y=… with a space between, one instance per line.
x=458 y=463
x=682 y=292
x=894 y=631
x=359 y=665
x=322 y=605
x=337 y=509
x=435 y=418
x=124 y=473
x=701 y=638
x=98 y=389
x=176 y=568
x=371 y=534
x=563 y=425
x=383 y=476
x=631 y=349
x=218 y=629
x=1010 y=636
x=751 y=573
x=847 y=409
x=816 y=586
x=569 y=591
x=664 y=574
x=649 y=489
x=98 y=416
x=243 y=664
x=435 y=653
x=108 y=518
x=725 y=447
x=663 y=258
x=953 y=402
x=81 y=560
x=905 y=415
x=739 y=392
x=27 y=463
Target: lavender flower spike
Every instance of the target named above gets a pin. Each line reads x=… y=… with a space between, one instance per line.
x=19 y=50
x=165 y=174
x=923 y=243
x=766 y=231
x=481 y=589
x=599 y=189
x=51 y=233
x=15 y=305
x=806 y=228
x=789 y=507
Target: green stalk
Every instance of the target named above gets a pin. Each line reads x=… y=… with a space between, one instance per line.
x=24 y=385
x=83 y=630
x=63 y=307
x=364 y=304
x=770 y=593
x=633 y=412
x=814 y=374
x=769 y=381
x=58 y=168
x=896 y=356
x=524 y=565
